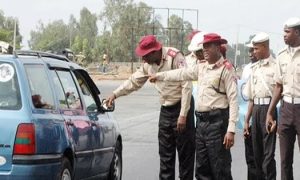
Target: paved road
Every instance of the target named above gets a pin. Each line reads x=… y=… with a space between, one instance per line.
x=137 y=115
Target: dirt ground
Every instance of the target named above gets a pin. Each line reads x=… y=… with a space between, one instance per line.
x=114 y=73
x=97 y=77
x=120 y=72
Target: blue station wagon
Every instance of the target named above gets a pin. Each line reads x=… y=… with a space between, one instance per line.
x=53 y=124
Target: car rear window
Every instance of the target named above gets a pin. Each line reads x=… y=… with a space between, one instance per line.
x=40 y=88
x=10 y=98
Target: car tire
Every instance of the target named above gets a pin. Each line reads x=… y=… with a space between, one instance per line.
x=66 y=170
x=115 y=172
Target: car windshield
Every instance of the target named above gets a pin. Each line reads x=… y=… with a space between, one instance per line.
x=9 y=87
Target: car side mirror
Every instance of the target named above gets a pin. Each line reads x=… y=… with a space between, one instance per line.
x=105 y=108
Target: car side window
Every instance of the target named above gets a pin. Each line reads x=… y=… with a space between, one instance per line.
x=41 y=93
x=87 y=94
x=66 y=90
x=59 y=90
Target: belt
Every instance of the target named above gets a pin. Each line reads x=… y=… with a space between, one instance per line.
x=291 y=100
x=174 y=106
x=262 y=101
x=212 y=113
x=202 y=114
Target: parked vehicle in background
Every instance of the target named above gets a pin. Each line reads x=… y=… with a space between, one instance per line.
x=53 y=124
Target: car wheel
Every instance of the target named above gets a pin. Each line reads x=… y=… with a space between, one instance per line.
x=66 y=171
x=116 y=164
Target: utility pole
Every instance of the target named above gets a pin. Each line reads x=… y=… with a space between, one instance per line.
x=182 y=28
x=237 y=52
x=15 y=34
x=153 y=21
x=70 y=36
x=132 y=49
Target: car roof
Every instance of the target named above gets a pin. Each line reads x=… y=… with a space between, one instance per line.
x=50 y=59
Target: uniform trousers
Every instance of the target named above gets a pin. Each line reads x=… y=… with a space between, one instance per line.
x=170 y=140
x=288 y=129
x=251 y=174
x=263 y=144
x=213 y=161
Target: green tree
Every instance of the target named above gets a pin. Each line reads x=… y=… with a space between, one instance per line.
x=5 y=35
x=79 y=36
x=102 y=46
x=124 y=23
x=52 y=37
x=127 y=22
x=77 y=45
x=83 y=35
x=86 y=51
x=88 y=26
x=7 y=26
x=73 y=29
x=179 y=30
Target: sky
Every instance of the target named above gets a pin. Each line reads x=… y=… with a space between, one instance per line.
x=235 y=20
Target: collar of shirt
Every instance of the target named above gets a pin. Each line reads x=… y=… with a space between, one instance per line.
x=292 y=50
x=265 y=61
x=253 y=64
x=218 y=64
x=296 y=49
x=163 y=58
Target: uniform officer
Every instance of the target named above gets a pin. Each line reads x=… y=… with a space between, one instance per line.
x=253 y=59
x=196 y=50
x=261 y=85
x=176 y=120
x=216 y=109
x=288 y=88
x=251 y=174
x=190 y=57
x=196 y=55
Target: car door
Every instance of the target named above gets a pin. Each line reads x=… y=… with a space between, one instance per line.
x=78 y=124
x=103 y=134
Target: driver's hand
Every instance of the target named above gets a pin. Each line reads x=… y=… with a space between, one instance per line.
x=110 y=100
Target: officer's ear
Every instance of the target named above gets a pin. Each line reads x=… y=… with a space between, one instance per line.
x=297 y=30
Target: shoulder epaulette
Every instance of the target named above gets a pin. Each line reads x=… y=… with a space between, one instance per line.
x=172 y=53
x=281 y=51
x=227 y=64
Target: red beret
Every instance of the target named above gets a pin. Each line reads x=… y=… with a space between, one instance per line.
x=213 y=37
x=146 y=45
